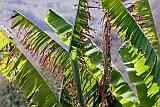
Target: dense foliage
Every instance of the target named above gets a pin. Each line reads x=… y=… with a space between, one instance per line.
x=87 y=75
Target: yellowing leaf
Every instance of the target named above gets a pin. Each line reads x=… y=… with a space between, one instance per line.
x=4 y=40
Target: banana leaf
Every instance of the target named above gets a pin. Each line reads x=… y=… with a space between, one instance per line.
x=19 y=70
x=95 y=57
x=147 y=63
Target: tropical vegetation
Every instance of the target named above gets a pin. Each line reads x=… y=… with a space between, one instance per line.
x=87 y=75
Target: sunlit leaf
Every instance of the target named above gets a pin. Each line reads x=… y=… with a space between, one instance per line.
x=18 y=69
x=147 y=64
x=4 y=40
x=145 y=19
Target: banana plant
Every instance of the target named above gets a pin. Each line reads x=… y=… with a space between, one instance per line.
x=88 y=76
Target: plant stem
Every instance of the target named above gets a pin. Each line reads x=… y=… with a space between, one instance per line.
x=77 y=79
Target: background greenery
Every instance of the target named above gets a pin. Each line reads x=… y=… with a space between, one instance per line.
x=9 y=96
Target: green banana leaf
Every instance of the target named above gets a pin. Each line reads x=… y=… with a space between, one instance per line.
x=141 y=87
x=147 y=65
x=52 y=54
x=78 y=43
x=18 y=69
x=59 y=25
x=39 y=44
x=122 y=91
x=128 y=30
x=145 y=19
x=92 y=50
x=95 y=57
